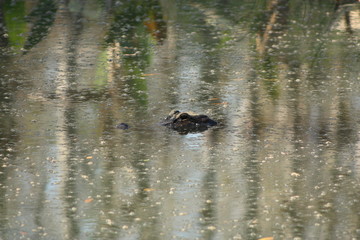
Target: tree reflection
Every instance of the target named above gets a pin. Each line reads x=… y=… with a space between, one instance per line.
x=131 y=19
x=288 y=141
x=273 y=26
x=8 y=151
x=3 y=32
x=42 y=17
x=129 y=34
x=347 y=12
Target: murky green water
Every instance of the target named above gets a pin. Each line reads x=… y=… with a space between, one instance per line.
x=280 y=77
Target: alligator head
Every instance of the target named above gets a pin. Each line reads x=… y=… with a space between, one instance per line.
x=185 y=122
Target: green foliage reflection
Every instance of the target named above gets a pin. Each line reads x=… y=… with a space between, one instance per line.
x=14 y=16
x=42 y=17
x=136 y=26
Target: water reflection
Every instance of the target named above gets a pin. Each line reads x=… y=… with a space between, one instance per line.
x=280 y=77
x=42 y=17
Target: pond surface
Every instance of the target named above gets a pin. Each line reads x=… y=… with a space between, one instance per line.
x=282 y=79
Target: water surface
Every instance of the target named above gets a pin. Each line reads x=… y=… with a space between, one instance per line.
x=280 y=77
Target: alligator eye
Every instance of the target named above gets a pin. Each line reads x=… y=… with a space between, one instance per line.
x=184 y=116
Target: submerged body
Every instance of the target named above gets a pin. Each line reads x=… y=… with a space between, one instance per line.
x=185 y=122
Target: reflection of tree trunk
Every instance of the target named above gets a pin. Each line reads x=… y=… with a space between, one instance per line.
x=3 y=37
x=278 y=13
x=42 y=17
x=252 y=165
x=348 y=22
x=347 y=13
x=209 y=210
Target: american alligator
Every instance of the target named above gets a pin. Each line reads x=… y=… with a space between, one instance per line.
x=186 y=122
x=182 y=122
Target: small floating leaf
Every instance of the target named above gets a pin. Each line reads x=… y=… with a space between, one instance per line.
x=149 y=74
x=149 y=189
x=88 y=200
x=211 y=228
x=221 y=103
